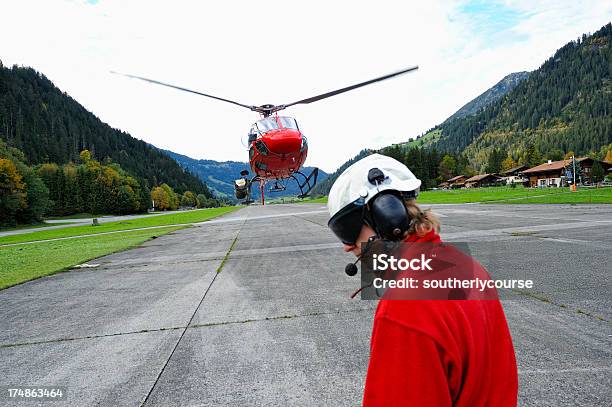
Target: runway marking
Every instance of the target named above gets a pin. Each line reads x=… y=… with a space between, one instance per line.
x=535 y=228
x=570 y=370
x=279 y=215
x=286 y=249
x=513 y=214
x=575 y=241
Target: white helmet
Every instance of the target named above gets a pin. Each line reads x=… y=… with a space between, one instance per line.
x=351 y=198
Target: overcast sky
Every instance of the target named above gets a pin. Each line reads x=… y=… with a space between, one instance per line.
x=280 y=51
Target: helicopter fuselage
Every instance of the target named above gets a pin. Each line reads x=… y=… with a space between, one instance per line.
x=277 y=154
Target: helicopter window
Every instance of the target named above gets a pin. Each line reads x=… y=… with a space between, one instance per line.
x=267 y=124
x=288 y=123
x=253 y=134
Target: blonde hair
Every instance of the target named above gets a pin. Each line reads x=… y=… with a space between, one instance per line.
x=422 y=222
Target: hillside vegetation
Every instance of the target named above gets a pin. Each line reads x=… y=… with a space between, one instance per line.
x=49 y=126
x=563 y=106
x=559 y=110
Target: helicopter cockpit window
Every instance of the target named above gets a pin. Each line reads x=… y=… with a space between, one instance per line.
x=267 y=124
x=288 y=122
x=253 y=134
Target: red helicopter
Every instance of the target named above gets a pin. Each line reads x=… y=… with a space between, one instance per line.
x=277 y=147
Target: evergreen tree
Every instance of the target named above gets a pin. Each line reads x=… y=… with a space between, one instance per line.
x=597 y=172
x=51 y=127
x=37 y=197
x=447 y=167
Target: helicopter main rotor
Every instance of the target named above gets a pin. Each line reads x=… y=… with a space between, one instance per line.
x=267 y=109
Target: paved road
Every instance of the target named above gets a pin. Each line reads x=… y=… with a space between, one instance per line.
x=253 y=309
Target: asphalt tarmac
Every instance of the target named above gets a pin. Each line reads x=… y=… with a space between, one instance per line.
x=253 y=309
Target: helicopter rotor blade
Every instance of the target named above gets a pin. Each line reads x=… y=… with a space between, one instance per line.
x=183 y=89
x=346 y=89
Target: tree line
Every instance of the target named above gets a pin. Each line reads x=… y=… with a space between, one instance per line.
x=433 y=167
x=49 y=126
x=27 y=194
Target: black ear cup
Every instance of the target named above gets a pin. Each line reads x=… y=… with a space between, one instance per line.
x=389 y=216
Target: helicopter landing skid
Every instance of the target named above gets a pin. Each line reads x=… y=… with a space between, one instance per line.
x=307 y=184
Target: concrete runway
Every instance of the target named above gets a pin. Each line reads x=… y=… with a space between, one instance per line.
x=254 y=309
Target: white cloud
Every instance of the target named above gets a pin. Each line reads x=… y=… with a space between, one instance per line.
x=278 y=52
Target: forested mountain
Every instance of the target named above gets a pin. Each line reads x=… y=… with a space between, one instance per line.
x=565 y=105
x=220 y=175
x=51 y=127
x=497 y=91
x=562 y=108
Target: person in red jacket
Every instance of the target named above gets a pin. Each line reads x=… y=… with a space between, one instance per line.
x=455 y=352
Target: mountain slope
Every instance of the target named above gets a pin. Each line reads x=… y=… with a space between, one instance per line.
x=491 y=95
x=49 y=126
x=564 y=105
x=471 y=108
x=220 y=176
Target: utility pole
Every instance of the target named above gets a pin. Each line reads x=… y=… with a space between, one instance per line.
x=573 y=188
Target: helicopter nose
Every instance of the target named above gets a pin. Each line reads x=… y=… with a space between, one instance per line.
x=284 y=141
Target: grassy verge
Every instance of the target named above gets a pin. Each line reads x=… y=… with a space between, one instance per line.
x=322 y=199
x=37 y=226
x=186 y=218
x=507 y=195
x=519 y=195
x=582 y=196
x=23 y=263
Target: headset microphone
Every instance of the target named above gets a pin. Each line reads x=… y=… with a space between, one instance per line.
x=351 y=268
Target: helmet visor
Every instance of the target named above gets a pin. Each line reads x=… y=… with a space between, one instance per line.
x=347 y=223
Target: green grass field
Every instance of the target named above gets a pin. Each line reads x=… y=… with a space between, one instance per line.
x=518 y=195
x=28 y=262
x=322 y=199
x=507 y=195
x=187 y=217
x=582 y=196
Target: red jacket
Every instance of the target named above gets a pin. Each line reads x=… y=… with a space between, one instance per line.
x=440 y=353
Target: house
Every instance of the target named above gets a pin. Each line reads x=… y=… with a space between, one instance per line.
x=586 y=163
x=444 y=185
x=552 y=173
x=513 y=175
x=482 y=180
x=457 y=182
